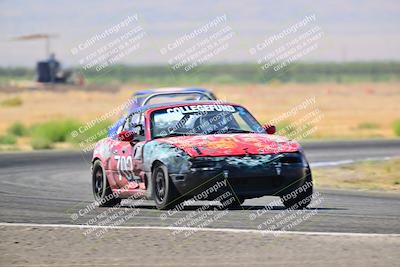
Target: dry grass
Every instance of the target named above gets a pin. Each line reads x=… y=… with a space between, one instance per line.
x=373 y=175
x=344 y=106
x=11 y=102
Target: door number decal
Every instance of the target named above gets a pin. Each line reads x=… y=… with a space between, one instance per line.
x=124 y=166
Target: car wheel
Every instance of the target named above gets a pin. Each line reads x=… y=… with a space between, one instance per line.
x=301 y=199
x=101 y=189
x=165 y=193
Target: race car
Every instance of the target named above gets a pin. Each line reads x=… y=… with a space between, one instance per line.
x=161 y=95
x=174 y=152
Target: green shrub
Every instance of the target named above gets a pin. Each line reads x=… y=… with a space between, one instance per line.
x=41 y=143
x=224 y=79
x=91 y=134
x=368 y=125
x=44 y=135
x=285 y=128
x=12 y=102
x=396 y=127
x=17 y=129
x=8 y=139
x=307 y=131
x=54 y=131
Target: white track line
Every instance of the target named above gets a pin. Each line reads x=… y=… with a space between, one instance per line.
x=348 y=161
x=225 y=230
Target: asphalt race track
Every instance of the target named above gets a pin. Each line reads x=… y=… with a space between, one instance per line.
x=48 y=187
x=54 y=187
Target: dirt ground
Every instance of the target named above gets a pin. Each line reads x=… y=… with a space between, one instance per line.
x=367 y=175
x=360 y=110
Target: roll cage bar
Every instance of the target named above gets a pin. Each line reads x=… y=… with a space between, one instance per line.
x=154 y=95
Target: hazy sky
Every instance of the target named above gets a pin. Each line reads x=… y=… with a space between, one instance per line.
x=352 y=30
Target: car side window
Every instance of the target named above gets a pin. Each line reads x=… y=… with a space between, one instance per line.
x=131 y=121
x=141 y=120
x=140 y=130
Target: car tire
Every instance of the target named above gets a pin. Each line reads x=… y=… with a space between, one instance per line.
x=101 y=189
x=302 y=199
x=165 y=194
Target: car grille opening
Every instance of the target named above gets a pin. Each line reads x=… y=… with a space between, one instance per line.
x=291 y=158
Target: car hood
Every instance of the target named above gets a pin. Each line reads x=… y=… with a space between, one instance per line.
x=232 y=144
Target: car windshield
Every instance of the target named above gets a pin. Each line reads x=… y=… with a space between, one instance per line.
x=203 y=119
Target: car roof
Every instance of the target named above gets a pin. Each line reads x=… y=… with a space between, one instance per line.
x=170 y=90
x=142 y=95
x=180 y=103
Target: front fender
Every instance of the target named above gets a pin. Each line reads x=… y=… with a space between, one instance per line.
x=176 y=160
x=102 y=151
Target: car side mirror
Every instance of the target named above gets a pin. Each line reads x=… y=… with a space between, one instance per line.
x=126 y=136
x=270 y=129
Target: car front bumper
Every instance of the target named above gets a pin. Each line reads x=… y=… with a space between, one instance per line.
x=248 y=177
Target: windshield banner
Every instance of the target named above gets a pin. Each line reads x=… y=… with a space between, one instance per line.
x=201 y=108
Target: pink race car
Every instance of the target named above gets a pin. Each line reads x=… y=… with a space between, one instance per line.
x=171 y=152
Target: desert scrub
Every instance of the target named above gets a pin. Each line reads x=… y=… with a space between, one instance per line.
x=372 y=175
x=286 y=128
x=41 y=143
x=396 y=127
x=11 y=102
x=293 y=131
x=90 y=134
x=368 y=125
x=54 y=131
x=8 y=139
x=17 y=129
x=44 y=135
